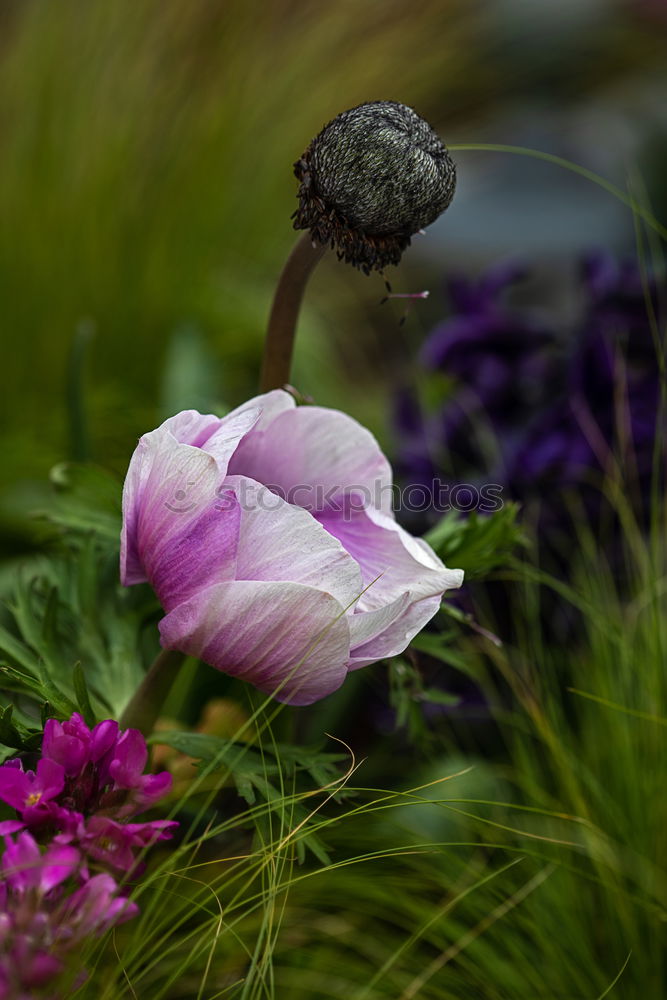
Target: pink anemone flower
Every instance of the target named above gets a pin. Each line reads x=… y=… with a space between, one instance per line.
x=270 y=540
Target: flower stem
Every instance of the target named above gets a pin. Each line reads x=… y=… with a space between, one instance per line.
x=145 y=705
x=279 y=343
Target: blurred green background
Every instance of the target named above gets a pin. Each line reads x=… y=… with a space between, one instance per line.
x=146 y=189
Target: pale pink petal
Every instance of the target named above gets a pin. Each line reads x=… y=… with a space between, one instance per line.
x=403 y=577
x=392 y=562
x=190 y=427
x=185 y=524
x=397 y=635
x=367 y=625
x=175 y=470
x=278 y=541
x=231 y=429
x=270 y=404
x=311 y=455
x=285 y=638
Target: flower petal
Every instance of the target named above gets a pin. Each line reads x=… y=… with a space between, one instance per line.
x=15 y=786
x=397 y=635
x=280 y=542
x=58 y=863
x=392 y=561
x=185 y=523
x=367 y=625
x=287 y=639
x=404 y=578
x=270 y=404
x=175 y=470
x=129 y=760
x=310 y=455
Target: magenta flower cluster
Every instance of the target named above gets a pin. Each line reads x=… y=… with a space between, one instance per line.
x=71 y=841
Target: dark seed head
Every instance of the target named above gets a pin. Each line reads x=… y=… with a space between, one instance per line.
x=371 y=179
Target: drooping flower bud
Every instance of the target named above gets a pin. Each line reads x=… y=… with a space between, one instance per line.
x=372 y=178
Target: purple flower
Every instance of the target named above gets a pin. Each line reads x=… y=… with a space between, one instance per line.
x=27 y=791
x=608 y=418
x=87 y=799
x=46 y=912
x=501 y=366
x=115 y=843
x=94 y=909
x=490 y=349
x=72 y=744
x=25 y=867
x=525 y=413
x=269 y=537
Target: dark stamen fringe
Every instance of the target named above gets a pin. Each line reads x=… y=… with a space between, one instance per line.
x=372 y=178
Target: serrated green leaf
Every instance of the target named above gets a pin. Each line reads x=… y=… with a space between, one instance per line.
x=86 y=498
x=478 y=544
x=250 y=772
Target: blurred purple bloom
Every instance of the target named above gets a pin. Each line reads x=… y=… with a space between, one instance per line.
x=608 y=418
x=115 y=843
x=500 y=362
x=270 y=540
x=525 y=414
x=94 y=909
x=47 y=909
x=489 y=349
x=24 y=866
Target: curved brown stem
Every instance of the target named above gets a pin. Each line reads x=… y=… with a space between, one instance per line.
x=279 y=343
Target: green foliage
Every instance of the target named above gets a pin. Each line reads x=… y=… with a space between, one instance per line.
x=16 y=736
x=255 y=772
x=408 y=695
x=74 y=639
x=478 y=544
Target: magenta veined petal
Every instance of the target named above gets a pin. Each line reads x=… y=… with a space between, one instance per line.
x=129 y=759
x=175 y=470
x=313 y=454
x=286 y=638
x=181 y=503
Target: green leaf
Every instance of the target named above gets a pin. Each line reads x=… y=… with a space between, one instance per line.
x=82 y=696
x=437 y=697
x=17 y=651
x=478 y=544
x=250 y=771
x=45 y=689
x=440 y=647
x=86 y=498
x=15 y=735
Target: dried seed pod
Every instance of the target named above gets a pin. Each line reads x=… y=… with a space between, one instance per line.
x=372 y=178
